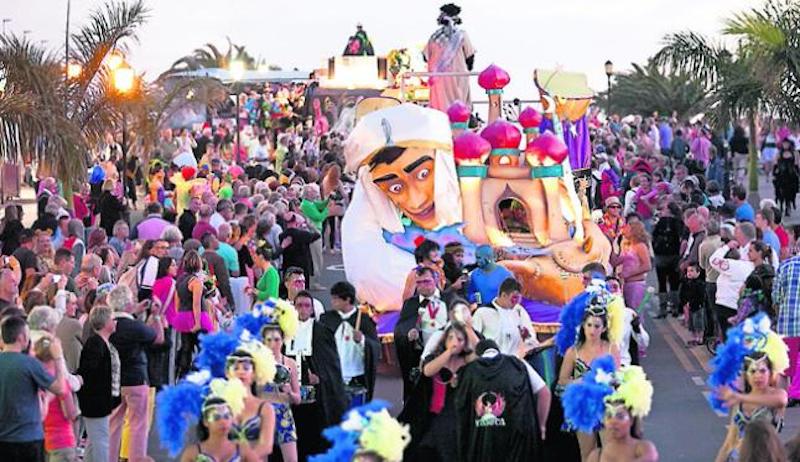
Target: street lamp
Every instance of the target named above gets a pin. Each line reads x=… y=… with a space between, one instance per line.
x=124 y=78
x=609 y=72
x=74 y=70
x=236 y=70
x=115 y=60
x=5 y=21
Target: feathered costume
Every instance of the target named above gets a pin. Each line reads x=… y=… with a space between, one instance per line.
x=597 y=297
x=367 y=429
x=585 y=401
x=751 y=336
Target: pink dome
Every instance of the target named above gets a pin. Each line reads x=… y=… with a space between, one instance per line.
x=548 y=145
x=458 y=112
x=502 y=135
x=530 y=118
x=468 y=146
x=493 y=78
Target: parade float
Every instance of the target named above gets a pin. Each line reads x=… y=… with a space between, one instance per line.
x=422 y=174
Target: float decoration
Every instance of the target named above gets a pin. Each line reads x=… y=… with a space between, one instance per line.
x=459 y=114
x=493 y=79
x=530 y=119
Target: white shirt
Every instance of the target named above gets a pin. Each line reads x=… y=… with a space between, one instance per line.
x=302 y=341
x=430 y=324
x=319 y=310
x=642 y=338
x=351 y=353
x=503 y=326
x=216 y=220
x=732 y=274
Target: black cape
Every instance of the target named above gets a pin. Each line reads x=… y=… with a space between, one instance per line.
x=331 y=401
x=495 y=411
x=372 y=352
x=408 y=353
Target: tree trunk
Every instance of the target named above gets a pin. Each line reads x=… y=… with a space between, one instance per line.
x=753 y=196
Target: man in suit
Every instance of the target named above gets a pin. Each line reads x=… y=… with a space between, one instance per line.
x=422 y=315
x=356 y=338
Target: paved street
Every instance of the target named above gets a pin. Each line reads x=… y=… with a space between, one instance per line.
x=681 y=424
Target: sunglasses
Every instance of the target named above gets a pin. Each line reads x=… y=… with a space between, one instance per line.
x=615 y=206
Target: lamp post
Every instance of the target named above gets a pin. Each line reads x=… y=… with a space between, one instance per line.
x=236 y=69
x=124 y=78
x=609 y=72
x=5 y=21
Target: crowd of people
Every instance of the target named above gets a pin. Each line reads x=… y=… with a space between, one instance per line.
x=126 y=286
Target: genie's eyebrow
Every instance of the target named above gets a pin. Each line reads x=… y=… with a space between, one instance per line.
x=410 y=167
x=384 y=178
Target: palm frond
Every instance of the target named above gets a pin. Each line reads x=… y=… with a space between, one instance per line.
x=691 y=53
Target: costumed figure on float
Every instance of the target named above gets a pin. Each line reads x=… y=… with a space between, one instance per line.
x=449 y=50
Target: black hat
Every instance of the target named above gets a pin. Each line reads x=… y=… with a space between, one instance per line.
x=486 y=344
x=450 y=9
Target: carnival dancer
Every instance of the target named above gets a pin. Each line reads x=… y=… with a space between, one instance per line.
x=214 y=404
x=323 y=398
x=407 y=187
x=494 y=404
x=615 y=400
x=367 y=433
x=591 y=326
x=421 y=316
x=254 y=366
x=283 y=392
x=356 y=341
x=449 y=50
x=750 y=360
x=505 y=321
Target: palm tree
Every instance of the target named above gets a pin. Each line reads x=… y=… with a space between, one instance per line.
x=648 y=89
x=69 y=118
x=760 y=74
x=210 y=57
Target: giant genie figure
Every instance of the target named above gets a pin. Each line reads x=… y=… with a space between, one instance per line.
x=412 y=184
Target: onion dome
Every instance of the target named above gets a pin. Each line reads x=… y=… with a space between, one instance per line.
x=530 y=119
x=470 y=147
x=493 y=79
x=503 y=136
x=548 y=146
x=458 y=113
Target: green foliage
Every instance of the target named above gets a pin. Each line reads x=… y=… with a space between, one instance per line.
x=648 y=89
x=209 y=57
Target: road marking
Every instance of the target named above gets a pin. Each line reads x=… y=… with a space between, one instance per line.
x=339 y=267
x=700 y=353
x=698 y=381
x=707 y=394
x=679 y=350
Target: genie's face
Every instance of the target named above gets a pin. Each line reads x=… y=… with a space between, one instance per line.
x=408 y=182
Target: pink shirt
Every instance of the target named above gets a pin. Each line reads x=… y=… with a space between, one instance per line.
x=58 y=432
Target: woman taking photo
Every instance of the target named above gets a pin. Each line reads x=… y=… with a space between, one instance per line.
x=592 y=342
x=430 y=410
x=633 y=263
x=283 y=393
x=100 y=394
x=192 y=315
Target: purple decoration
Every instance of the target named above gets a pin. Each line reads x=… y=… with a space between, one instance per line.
x=580 y=150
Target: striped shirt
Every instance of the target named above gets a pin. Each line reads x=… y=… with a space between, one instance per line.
x=786 y=296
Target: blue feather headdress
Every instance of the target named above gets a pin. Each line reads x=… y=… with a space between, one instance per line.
x=571 y=316
x=256 y=319
x=584 y=401
x=214 y=351
x=367 y=429
x=752 y=335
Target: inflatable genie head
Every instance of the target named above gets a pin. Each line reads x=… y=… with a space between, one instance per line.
x=403 y=156
x=407 y=188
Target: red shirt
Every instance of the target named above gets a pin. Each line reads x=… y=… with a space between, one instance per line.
x=783 y=236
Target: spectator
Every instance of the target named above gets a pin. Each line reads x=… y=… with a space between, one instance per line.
x=765 y=220
x=666 y=247
x=120 y=240
x=27 y=261
x=226 y=250
x=298 y=252
x=224 y=213
x=21 y=378
x=786 y=297
x=131 y=337
x=110 y=207
x=153 y=224
x=174 y=239
x=744 y=211
x=217 y=266
x=203 y=226
x=69 y=328
x=315 y=212
x=188 y=219
x=76 y=233
x=101 y=371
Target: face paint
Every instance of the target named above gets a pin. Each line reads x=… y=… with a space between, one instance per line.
x=217 y=412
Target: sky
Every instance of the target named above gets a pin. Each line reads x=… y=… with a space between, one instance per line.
x=517 y=35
